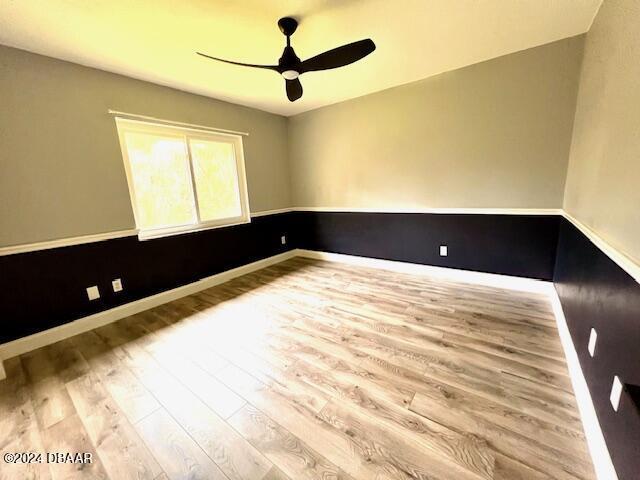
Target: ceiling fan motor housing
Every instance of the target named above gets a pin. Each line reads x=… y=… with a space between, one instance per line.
x=289 y=60
x=288 y=25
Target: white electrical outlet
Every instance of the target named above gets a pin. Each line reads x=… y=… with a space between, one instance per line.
x=117 y=285
x=592 y=341
x=283 y=240
x=444 y=250
x=616 y=392
x=93 y=293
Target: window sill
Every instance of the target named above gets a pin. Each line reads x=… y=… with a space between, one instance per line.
x=144 y=235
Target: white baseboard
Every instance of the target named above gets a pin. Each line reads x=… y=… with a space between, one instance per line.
x=67 y=330
x=468 y=276
x=436 y=210
x=602 y=462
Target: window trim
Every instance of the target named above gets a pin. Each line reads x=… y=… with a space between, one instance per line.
x=124 y=125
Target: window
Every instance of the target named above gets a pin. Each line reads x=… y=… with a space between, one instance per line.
x=182 y=179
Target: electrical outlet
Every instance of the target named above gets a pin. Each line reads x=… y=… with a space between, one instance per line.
x=117 y=285
x=283 y=240
x=592 y=341
x=616 y=392
x=93 y=293
x=444 y=250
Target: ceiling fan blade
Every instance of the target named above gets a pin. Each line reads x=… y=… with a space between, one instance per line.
x=294 y=90
x=339 y=57
x=268 y=67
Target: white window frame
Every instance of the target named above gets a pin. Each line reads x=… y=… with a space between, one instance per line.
x=127 y=125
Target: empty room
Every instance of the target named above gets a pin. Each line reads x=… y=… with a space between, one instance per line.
x=320 y=239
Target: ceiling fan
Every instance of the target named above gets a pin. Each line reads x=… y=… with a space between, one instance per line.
x=291 y=67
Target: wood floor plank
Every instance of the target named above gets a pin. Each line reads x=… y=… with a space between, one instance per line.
x=335 y=446
x=68 y=436
x=541 y=340
x=466 y=452
x=557 y=376
x=179 y=455
x=525 y=365
x=428 y=345
x=276 y=474
x=68 y=362
x=18 y=424
x=18 y=414
x=469 y=377
x=205 y=358
x=267 y=368
x=518 y=349
x=554 y=435
x=50 y=399
x=534 y=454
x=411 y=424
x=27 y=440
x=522 y=398
x=411 y=381
x=212 y=392
x=290 y=454
x=311 y=370
x=123 y=453
x=400 y=455
x=553 y=405
x=127 y=391
x=509 y=469
x=235 y=457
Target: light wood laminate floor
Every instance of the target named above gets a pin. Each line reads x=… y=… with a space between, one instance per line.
x=306 y=370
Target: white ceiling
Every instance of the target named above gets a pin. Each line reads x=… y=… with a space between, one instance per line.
x=155 y=40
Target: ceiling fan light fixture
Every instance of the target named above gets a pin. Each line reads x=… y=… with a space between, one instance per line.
x=291 y=67
x=290 y=74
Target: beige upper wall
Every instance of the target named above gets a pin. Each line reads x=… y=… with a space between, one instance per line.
x=61 y=170
x=495 y=134
x=603 y=179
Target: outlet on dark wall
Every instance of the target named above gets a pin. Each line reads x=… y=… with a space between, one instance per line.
x=43 y=289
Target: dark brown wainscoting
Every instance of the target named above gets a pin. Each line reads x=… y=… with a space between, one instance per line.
x=43 y=289
x=596 y=293
x=521 y=245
